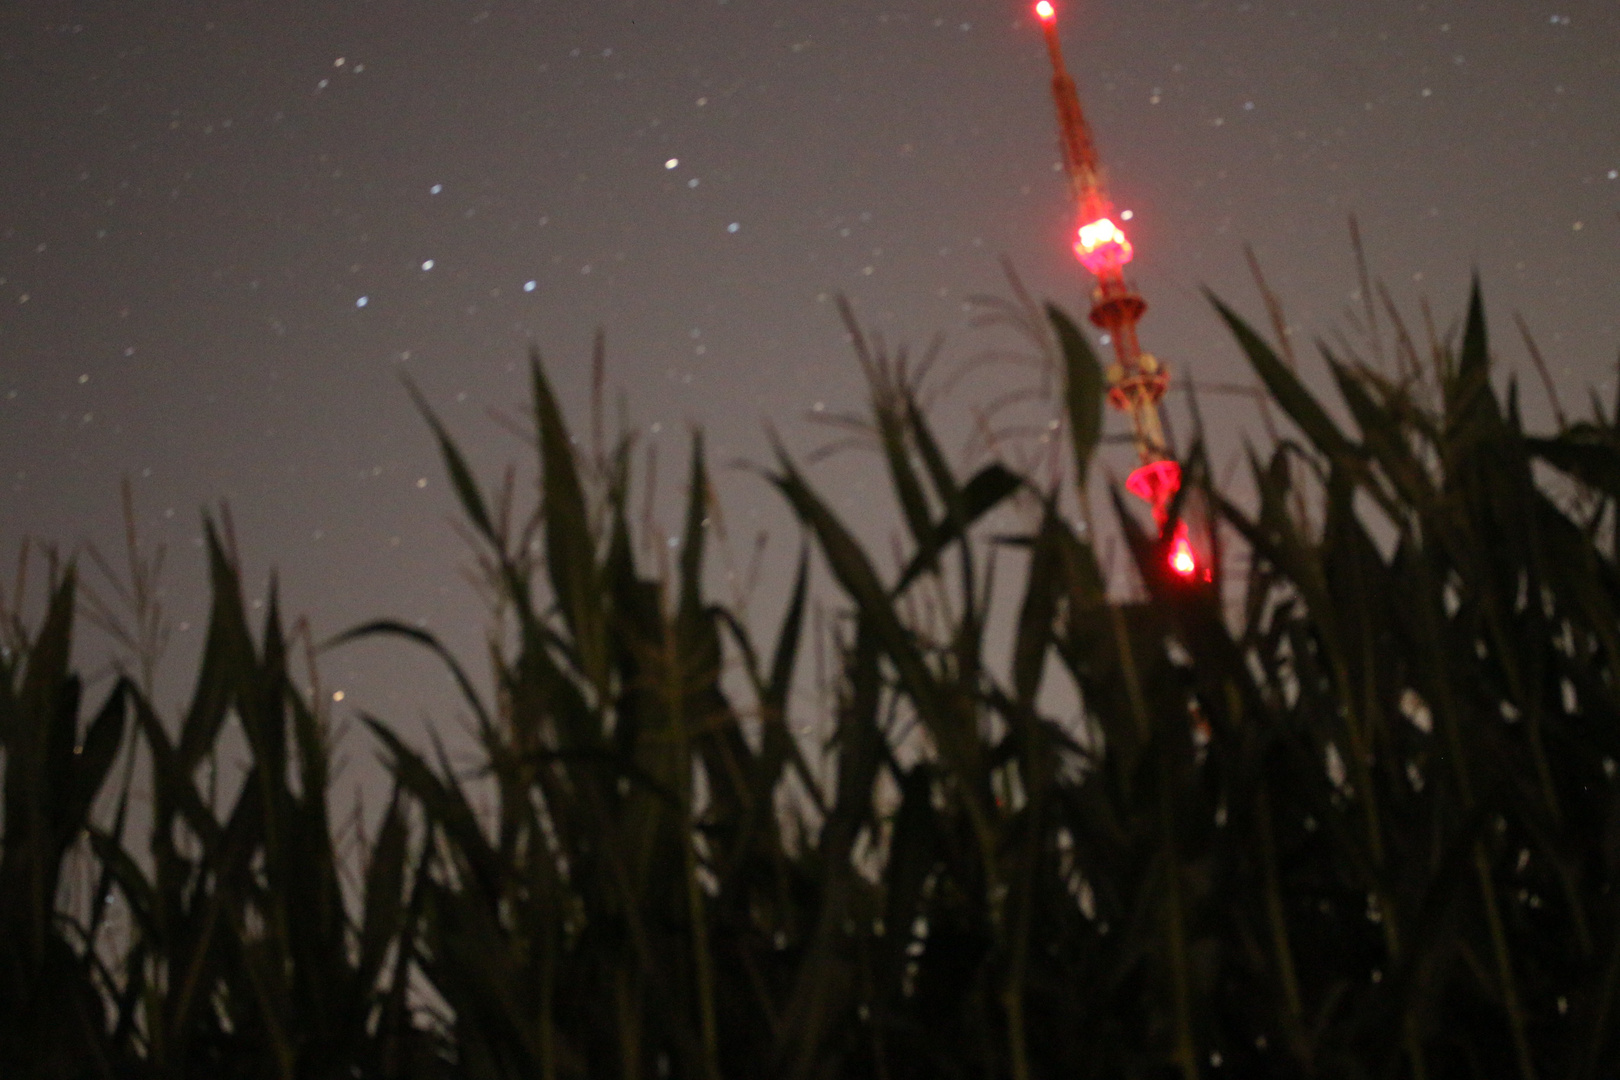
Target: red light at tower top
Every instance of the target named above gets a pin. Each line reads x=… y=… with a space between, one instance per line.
x=1044 y=12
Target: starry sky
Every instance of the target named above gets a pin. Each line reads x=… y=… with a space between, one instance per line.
x=229 y=228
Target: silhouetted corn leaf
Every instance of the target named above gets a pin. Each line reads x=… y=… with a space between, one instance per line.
x=446 y=805
x=1083 y=392
x=394 y=628
x=1384 y=439
x=461 y=477
x=1471 y=409
x=570 y=549
x=983 y=492
x=1586 y=452
x=1286 y=389
x=1036 y=616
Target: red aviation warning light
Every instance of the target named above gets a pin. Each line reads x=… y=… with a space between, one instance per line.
x=1155 y=483
x=1183 y=562
x=1102 y=247
x=1136 y=379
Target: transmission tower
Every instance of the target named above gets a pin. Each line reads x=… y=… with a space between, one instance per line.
x=1137 y=380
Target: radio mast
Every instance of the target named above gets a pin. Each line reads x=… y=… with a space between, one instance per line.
x=1137 y=381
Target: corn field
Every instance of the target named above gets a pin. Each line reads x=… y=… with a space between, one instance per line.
x=1349 y=811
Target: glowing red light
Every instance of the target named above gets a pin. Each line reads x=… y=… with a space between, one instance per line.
x=1044 y=10
x=1155 y=484
x=1182 y=560
x=1102 y=246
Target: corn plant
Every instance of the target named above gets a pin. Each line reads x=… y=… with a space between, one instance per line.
x=55 y=1020
x=240 y=957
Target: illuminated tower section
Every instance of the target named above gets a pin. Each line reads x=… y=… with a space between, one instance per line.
x=1136 y=380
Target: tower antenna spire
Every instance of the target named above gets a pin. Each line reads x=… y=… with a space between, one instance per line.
x=1136 y=379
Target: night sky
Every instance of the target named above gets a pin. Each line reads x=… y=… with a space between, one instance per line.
x=228 y=229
